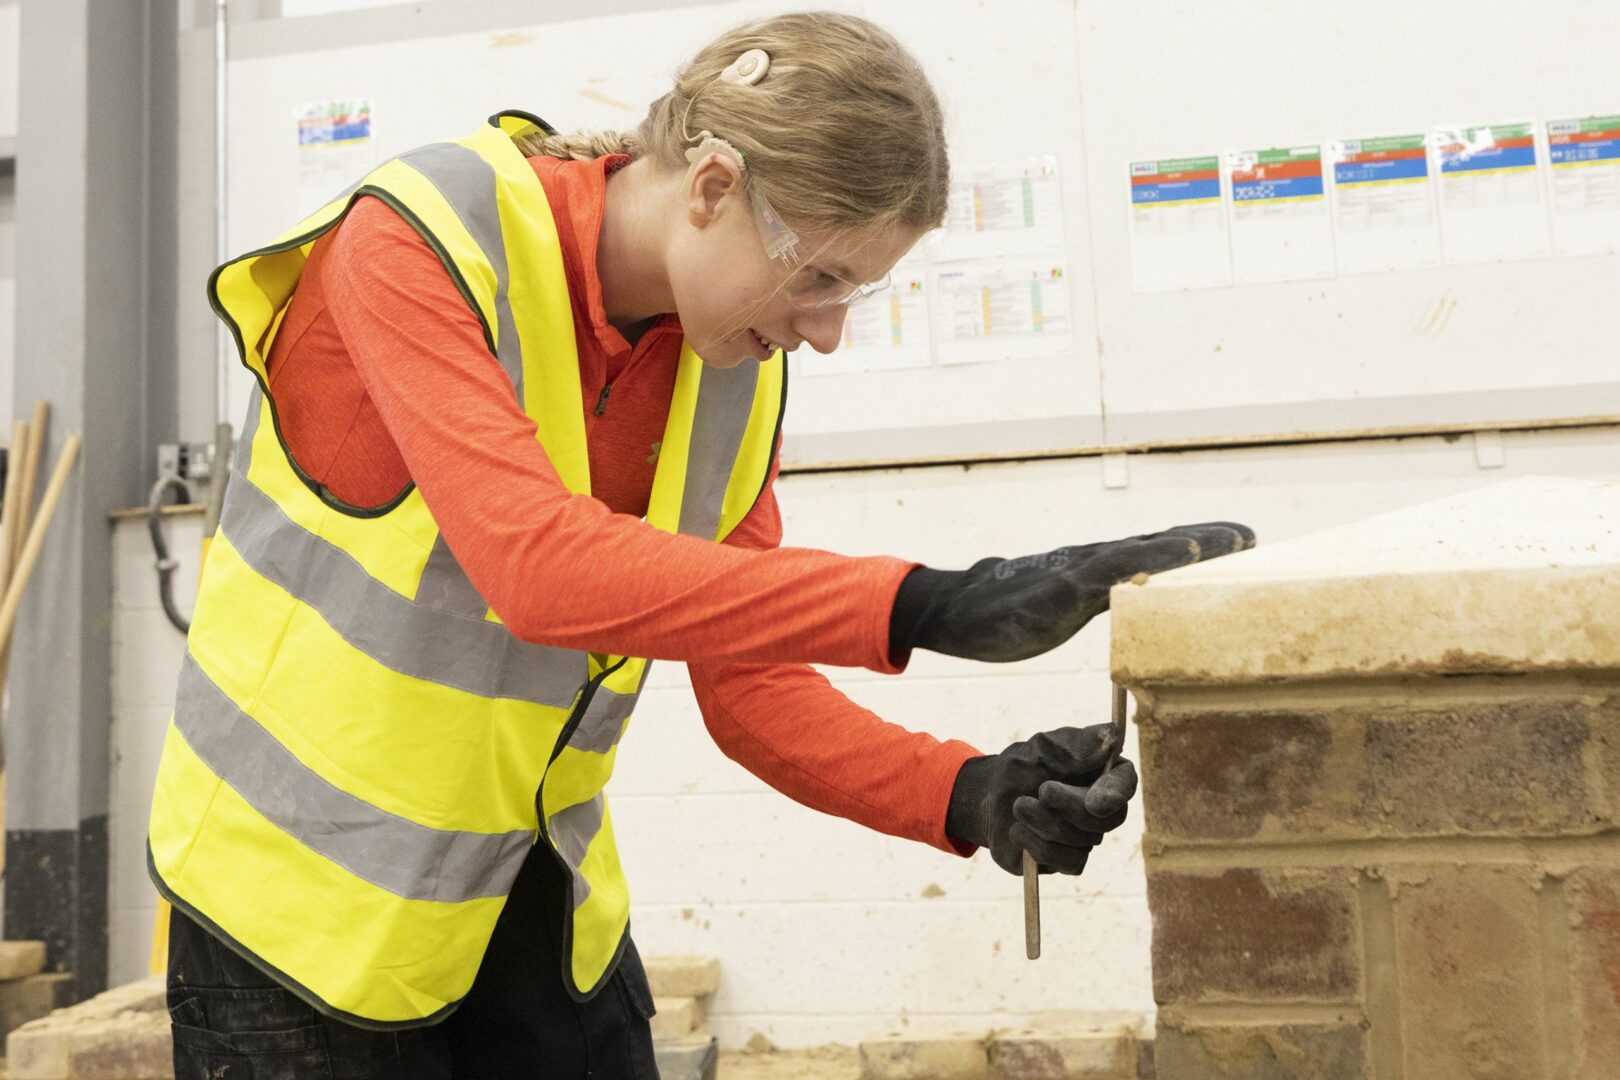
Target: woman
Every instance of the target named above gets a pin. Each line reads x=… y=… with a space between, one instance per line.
x=516 y=430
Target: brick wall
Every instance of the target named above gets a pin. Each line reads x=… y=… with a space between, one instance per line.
x=1373 y=849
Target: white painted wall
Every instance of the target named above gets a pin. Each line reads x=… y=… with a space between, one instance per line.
x=8 y=294
x=146 y=663
x=9 y=65
x=294 y=8
x=822 y=928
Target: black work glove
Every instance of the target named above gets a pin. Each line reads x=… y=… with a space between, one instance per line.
x=1012 y=609
x=1047 y=795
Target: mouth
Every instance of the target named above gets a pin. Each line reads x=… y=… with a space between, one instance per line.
x=767 y=346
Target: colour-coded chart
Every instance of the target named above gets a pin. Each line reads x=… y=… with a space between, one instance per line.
x=1504 y=148
x=327 y=122
x=1265 y=179
x=1384 y=216
x=1584 y=182
x=1395 y=159
x=335 y=147
x=1006 y=208
x=1015 y=308
x=1176 y=183
x=1280 y=225
x=1491 y=205
x=1583 y=142
x=1178 y=224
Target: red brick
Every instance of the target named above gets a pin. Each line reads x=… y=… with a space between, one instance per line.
x=1594 y=899
x=1513 y=768
x=1190 y=1051
x=1254 y=935
x=1219 y=776
x=1468 y=952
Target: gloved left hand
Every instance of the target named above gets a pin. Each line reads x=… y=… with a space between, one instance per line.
x=1047 y=795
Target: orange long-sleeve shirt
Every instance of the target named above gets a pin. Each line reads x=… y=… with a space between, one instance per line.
x=382 y=378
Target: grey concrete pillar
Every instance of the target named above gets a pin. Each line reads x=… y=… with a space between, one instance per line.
x=95 y=338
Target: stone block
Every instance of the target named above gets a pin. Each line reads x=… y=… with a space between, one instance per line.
x=1196 y=1051
x=122 y=1034
x=24 y=1000
x=1513 y=768
x=1254 y=935
x=924 y=1057
x=1594 y=900
x=693 y=1057
x=1512 y=578
x=20 y=959
x=1068 y=1051
x=682 y=976
x=676 y=1016
x=1469 y=962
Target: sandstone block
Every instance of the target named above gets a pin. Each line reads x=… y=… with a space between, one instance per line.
x=693 y=1057
x=676 y=1016
x=1059 y=1054
x=1512 y=768
x=1594 y=899
x=1468 y=948
x=1512 y=578
x=682 y=976
x=23 y=1000
x=1254 y=935
x=916 y=1057
x=122 y=1034
x=1188 y=1051
x=20 y=959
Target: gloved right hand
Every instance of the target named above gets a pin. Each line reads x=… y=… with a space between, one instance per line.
x=1047 y=795
x=1011 y=609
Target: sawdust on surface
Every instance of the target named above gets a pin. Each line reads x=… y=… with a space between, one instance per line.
x=816 y=1063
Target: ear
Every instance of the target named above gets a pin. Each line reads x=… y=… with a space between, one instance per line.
x=715 y=176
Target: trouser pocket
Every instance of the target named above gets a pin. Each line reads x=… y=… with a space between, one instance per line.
x=222 y=1033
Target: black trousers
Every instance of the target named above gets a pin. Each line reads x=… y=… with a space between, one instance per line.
x=233 y=1022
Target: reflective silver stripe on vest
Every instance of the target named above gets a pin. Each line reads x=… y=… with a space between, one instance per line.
x=470 y=654
x=243 y=457
x=571 y=830
x=393 y=853
x=467 y=182
x=602 y=725
x=444 y=585
x=719 y=421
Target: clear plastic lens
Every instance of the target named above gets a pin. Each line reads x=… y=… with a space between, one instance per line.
x=811 y=287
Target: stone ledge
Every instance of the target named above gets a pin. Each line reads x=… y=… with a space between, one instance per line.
x=1054 y=1046
x=1083 y=1048
x=20 y=959
x=122 y=1034
x=682 y=976
x=692 y=1057
x=676 y=1017
x=1517 y=577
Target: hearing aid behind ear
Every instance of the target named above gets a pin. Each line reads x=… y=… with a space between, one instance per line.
x=781 y=242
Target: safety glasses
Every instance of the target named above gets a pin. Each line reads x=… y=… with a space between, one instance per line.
x=811 y=288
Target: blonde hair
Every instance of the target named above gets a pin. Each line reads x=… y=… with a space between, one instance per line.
x=843 y=133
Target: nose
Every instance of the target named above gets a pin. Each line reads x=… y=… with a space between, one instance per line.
x=823 y=328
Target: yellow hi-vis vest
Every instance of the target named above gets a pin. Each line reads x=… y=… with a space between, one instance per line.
x=361 y=755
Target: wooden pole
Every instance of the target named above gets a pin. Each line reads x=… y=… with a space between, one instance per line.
x=36 y=540
x=30 y=476
x=16 y=465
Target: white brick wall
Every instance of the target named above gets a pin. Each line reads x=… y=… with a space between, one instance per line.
x=823 y=929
